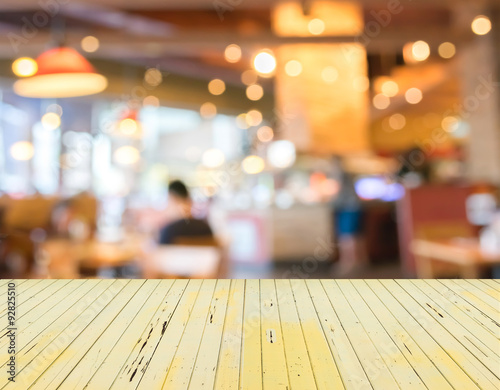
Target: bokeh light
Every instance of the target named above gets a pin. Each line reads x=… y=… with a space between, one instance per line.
x=24 y=67
x=293 y=68
x=265 y=134
x=213 y=158
x=128 y=126
x=249 y=77
x=208 y=110
x=153 y=77
x=481 y=25
x=381 y=102
x=397 y=121
x=413 y=96
x=264 y=62
x=316 y=26
x=90 y=44
x=281 y=154
x=446 y=50
x=329 y=74
x=126 y=155
x=51 y=121
x=254 y=92
x=254 y=118
x=232 y=53
x=216 y=87
x=253 y=165
x=421 y=50
x=22 y=151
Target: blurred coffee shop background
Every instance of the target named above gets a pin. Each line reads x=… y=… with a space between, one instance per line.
x=317 y=138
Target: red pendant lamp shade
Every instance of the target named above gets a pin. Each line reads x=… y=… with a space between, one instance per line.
x=62 y=72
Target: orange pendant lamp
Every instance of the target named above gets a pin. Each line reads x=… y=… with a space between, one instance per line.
x=62 y=72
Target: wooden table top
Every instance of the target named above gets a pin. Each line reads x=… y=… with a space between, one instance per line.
x=255 y=334
x=455 y=250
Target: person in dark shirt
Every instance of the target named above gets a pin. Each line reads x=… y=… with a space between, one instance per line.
x=186 y=225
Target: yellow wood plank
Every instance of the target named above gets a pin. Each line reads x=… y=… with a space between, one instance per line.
x=180 y=297
x=35 y=295
x=424 y=367
x=274 y=367
x=251 y=358
x=350 y=368
x=56 y=337
x=70 y=356
x=449 y=368
x=324 y=368
x=24 y=291
x=180 y=365
x=467 y=295
x=493 y=295
x=378 y=374
x=475 y=330
x=469 y=340
x=470 y=286
x=393 y=358
x=300 y=373
x=100 y=350
x=36 y=306
x=204 y=372
x=471 y=310
x=494 y=285
x=228 y=368
x=138 y=335
x=469 y=362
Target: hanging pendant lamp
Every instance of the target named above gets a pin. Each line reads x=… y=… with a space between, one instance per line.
x=62 y=72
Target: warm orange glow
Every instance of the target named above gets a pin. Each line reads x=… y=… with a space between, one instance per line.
x=265 y=134
x=264 y=62
x=232 y=53
x=413 y=96
x=216 y=87
x=62 y=72
x=420 y=51
x=249 y=77
x=311 y=114
x=293 y=68
x=253 y=118
x=316 y=26
x=24 y=67
x=208 y=110
x=61 y=85
x=381 y=102
x=481 y=25
x=153 y=77
x=397 y=121
x=128 y=126
x=325 y=17
x=254 y=92
x=447 y=50
x=151 y=101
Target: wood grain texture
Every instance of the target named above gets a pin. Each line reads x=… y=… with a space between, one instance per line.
x=254 y=334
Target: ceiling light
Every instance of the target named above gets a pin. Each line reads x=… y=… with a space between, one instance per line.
x=62 y=72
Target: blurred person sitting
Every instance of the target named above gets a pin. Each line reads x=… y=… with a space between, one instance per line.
x=183 y=224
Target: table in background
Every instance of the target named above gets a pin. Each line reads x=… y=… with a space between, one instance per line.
x=255 y=334
x=464 y=254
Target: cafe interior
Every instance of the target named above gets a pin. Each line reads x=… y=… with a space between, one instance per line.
x=316 y=138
